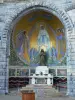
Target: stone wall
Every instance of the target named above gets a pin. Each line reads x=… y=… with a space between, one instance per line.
x=71 y=69
x=12 y=0
x=66 y=4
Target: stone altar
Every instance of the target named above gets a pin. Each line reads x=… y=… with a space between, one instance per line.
x=42 y=76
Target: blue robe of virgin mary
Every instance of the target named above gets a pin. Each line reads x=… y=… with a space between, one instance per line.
x=44 y=40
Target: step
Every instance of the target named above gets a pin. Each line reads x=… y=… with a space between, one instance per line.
x=44 y=91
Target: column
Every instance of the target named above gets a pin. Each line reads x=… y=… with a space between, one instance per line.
x=71 y=69
x=33 y=80
x=48 y=81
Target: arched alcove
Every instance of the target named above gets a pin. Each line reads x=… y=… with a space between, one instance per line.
x=61 y=25
x=53 y=41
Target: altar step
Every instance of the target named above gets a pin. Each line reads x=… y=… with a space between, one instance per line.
x=45 y=91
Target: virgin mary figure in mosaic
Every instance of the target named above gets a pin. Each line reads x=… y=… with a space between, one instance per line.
x=43 y=39
x=44 y=43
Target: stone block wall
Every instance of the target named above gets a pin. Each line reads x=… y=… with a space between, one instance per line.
x=3 y=58
x=71 y=81
x=12 y=0
x=71 y=69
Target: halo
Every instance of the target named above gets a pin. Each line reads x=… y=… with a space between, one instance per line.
x=43 y=47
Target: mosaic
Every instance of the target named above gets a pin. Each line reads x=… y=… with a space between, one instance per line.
x=28 y=42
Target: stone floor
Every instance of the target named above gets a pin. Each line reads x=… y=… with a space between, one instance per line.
x=18 y=97
x=10 y=97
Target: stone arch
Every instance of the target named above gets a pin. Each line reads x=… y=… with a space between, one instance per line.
x=22 y=9
x=51 y=8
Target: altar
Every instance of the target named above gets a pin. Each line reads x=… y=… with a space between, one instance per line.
x=42 y=76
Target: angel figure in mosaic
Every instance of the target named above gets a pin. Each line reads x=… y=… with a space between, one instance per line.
x=22 y=42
